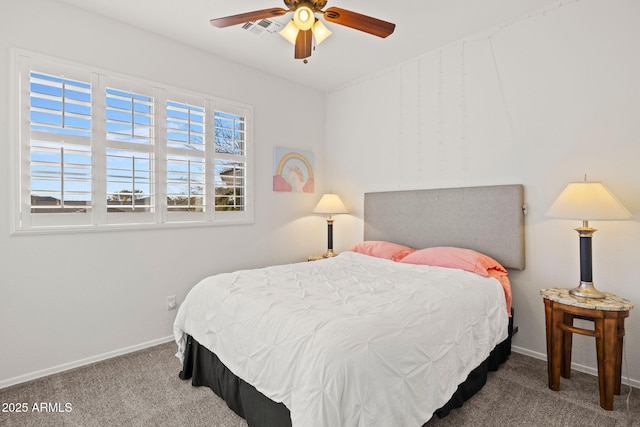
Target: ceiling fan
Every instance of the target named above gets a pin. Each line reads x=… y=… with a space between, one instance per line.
x=305 y=25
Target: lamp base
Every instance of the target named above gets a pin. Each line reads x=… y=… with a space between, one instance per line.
x=329 y=254
x=587 y=290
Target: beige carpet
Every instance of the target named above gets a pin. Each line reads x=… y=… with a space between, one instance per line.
x=143 y=389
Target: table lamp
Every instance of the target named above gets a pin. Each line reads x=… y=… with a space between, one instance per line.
x=587 y=201
x=330 y=204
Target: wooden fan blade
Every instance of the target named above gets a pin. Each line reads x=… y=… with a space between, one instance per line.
x=303 y=44
x=256 y=15
x=357 y=21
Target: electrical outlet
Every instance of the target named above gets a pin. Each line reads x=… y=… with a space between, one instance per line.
x=171 y=302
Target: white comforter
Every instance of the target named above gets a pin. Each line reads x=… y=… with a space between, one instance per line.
x=348 y=341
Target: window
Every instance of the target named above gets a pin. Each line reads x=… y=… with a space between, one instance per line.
x=186 y=166
x=129 y=149
x=59 y=147
x=97 y=150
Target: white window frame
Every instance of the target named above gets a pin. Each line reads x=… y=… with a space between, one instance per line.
x=26 y=222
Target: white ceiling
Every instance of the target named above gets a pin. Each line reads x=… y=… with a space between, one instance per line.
x=421 y=26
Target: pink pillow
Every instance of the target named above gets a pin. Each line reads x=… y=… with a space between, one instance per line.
x=463 y=259
x=506 y=287
x=460 y=258
x=381 y=249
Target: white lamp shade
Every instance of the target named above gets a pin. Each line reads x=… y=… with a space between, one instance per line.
x=330 y=204
x=320 y=32
x=290 y=32
x=587 y=201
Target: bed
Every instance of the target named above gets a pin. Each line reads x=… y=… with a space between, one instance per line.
x=361 y=340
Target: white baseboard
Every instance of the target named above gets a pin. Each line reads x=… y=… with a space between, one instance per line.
x=581 y=368
x=530 y=353
x=83 y=362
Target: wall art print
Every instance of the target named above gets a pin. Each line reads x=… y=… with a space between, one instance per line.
x=292 y=170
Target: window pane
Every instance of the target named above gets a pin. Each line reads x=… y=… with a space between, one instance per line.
x=185 y=184
x=129 y=181
x=129 y=117
x=229 y=133
x=185 y=126
x=60 y=105
x=230 y=186
x=60 y=178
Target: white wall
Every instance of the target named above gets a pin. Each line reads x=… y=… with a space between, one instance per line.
x=72 y=298
x=540 y=101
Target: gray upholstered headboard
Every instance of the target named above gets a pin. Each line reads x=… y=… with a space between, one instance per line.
x=486 y=219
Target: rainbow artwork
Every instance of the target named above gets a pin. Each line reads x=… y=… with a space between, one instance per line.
x=292 y=170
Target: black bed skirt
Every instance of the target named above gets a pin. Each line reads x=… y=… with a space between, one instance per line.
x=205 y=369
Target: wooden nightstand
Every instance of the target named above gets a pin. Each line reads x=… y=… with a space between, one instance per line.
x=608 y=316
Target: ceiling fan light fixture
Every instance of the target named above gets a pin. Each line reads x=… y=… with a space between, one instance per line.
x=320 y=32
x=304 y=18
x=305 y=27
x=290 y=32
